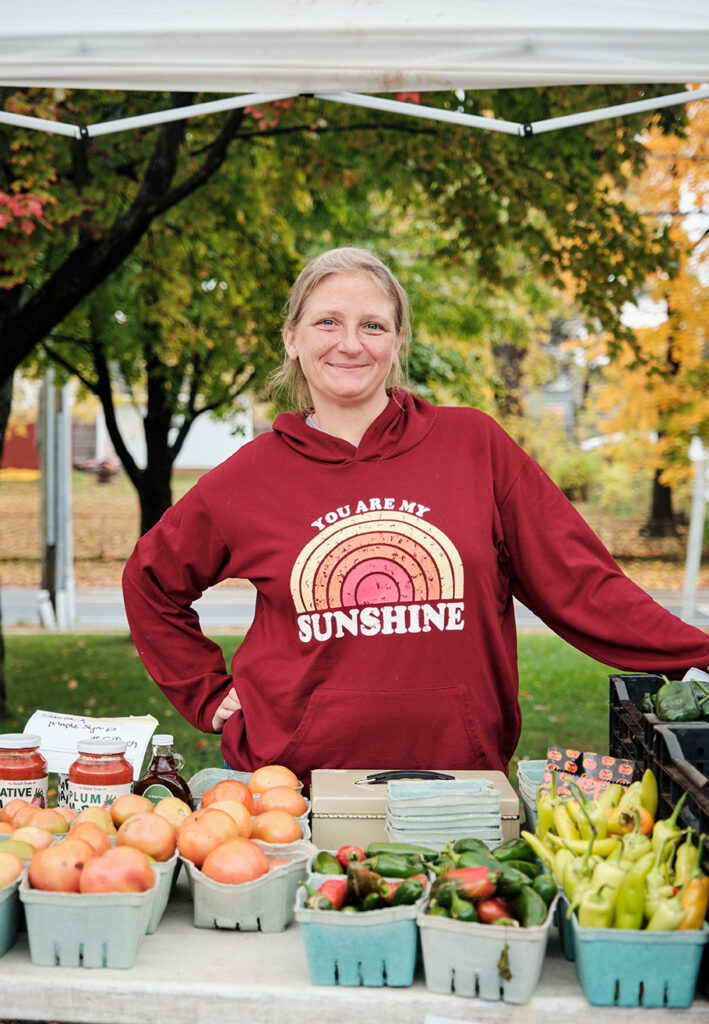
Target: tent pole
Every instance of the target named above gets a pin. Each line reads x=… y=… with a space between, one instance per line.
x=700 y=496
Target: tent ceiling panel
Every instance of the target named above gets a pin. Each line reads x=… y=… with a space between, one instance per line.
x=309 y=46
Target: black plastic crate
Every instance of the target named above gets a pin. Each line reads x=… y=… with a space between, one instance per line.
x=630 y=732
x=682 y=766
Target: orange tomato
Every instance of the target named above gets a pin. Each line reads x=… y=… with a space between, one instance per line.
x=285 y=798
x=238 y=860
x=229 y=789
x=276 y=826
x=270 y=775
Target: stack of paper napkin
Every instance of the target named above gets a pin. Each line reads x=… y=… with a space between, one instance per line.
x=433 y=813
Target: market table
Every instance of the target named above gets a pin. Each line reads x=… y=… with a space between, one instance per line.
x=188 y=975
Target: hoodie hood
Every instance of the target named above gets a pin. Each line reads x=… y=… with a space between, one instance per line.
x=403 y=424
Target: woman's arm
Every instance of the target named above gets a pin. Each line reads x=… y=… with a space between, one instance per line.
x=170 y=567
x=565 y=575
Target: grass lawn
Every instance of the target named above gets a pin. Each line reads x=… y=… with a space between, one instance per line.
x=563 y=693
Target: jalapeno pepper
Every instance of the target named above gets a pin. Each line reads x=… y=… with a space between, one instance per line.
x=436 y=910
x=395 y=865
x=326 y=863
x=410 y=890
x=389 y=888
x=462 y=909
x=526 y=867
x=372 y=901
x=471 y=845
x=514 y=849
x=316 y=900
x=546 y=886
x=528 y=907
x=374 y=849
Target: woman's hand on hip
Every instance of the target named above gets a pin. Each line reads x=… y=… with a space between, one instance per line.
x=226 y=709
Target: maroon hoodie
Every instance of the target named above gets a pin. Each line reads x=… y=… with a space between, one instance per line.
x=384 y=632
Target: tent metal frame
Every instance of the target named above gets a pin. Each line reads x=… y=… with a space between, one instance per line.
x=523 y=129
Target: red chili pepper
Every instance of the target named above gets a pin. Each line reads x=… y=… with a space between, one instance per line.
x=472 y=883
x=335 y=889
x=493 y=908
x=347 y=854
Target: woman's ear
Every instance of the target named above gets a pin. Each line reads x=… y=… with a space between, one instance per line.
x=289 y=342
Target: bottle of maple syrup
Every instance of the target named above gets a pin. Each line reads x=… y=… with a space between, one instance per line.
x=161 y=778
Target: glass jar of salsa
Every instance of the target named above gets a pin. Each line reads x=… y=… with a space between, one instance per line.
x=161 y=778
x=99 y=775
x=23 y=770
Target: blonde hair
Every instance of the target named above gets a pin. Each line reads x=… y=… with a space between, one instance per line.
x=288 y=381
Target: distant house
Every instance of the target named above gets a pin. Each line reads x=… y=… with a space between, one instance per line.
x=208 y=443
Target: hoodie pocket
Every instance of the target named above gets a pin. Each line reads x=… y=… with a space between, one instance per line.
x=382 y=728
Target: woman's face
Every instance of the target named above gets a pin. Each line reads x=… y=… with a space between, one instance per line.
x=346 y=340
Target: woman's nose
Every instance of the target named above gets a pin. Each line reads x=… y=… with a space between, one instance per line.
x=349 y=340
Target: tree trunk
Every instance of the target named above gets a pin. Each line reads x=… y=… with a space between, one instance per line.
x=155 y=493
x=5 y=406
x=508 y=397
x=662 y=521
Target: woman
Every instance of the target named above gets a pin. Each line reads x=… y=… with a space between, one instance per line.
x=386 y=539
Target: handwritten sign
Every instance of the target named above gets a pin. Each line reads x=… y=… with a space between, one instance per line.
x=60 y=733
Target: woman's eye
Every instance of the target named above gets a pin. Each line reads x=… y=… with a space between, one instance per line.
x=374 y=326
x=326 y=321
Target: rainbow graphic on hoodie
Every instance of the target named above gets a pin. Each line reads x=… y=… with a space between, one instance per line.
x=385 y=571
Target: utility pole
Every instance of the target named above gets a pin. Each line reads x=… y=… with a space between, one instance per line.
x=700 y=496
x=57 y=598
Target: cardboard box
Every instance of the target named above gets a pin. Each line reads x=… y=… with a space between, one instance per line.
x=346 y=810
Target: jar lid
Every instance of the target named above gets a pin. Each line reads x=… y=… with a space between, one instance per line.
x=19 y=740
x=162 y=739
x=101 y=746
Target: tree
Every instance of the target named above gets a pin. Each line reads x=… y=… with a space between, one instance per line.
x=657 y=389
x=75 y=210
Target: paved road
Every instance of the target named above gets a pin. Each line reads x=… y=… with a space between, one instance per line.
x=230 y=609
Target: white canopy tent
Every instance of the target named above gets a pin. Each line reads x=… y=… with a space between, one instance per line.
x=337 y=49
x=344 y=50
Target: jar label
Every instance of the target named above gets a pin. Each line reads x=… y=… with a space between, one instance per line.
x=80 y=795
x=157 y=792
x=34 y=791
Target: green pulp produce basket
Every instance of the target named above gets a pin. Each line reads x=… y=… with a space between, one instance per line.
x=638 y=968
x=9 y=914
x=481 y=960
x=372 y=948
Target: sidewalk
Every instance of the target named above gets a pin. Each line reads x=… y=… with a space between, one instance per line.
x=231 y=609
